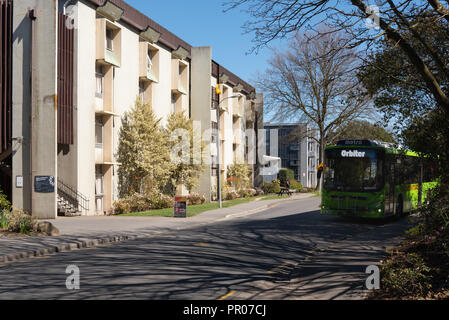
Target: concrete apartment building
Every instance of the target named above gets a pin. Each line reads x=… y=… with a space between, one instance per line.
x=237 y=110
x=299 y=152
x=71 y=69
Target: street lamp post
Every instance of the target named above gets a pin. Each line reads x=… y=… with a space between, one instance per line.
x=220 y=200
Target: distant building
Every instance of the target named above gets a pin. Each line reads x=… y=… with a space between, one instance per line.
x=298 y=151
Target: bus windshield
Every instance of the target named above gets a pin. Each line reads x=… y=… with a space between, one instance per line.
x=357 y=170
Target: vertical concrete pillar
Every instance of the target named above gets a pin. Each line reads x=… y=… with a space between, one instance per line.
x=35 y=110
x=201 y=97
x=259 y=124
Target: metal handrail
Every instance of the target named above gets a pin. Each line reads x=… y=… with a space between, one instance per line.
x=72 y=196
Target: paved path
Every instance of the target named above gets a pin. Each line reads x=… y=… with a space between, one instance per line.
x=82 y=232
x=286 y=252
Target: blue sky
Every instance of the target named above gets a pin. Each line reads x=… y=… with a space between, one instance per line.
x=203 y=23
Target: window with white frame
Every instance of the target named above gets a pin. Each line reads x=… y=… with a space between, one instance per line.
x=142 y=91
x=99 y=76
x=174 y=99
x=99 y=132
x=149 y=61
x=110 y=39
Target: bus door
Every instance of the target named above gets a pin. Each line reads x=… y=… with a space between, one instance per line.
x=389 y=189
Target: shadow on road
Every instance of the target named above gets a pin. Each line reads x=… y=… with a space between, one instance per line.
x=274 y=258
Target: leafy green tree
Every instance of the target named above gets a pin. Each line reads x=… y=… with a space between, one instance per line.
x=186 y=172
x=361 y=130
x=402 y=94
x=143 y=152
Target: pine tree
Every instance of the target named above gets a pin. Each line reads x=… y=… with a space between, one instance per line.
x=187 y=173
x=143 y=152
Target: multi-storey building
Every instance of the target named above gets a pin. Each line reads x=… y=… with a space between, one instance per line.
x=235 y=116
x=294 y=143
x=76 y=66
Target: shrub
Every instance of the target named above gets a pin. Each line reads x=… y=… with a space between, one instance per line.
x=274 y=187
x=122 y=206
x=259 y=192
x=161 y=201
x=4 y=202
x=232 y=195
x=267 y=187
x=247 y=193
x=17 y=221
x=143 y=202
x=295 y=185
x=251 y=192
x=284 y=175
x=225 y=189
x=140 y=202
x=436 y=213
x=195 y=199
x=4 y=220
x=406 y=275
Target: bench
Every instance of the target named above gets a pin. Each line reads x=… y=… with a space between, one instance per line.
x=285 y=191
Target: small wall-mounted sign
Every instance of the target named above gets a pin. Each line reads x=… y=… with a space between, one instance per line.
x=44 y=184
x=19 y=181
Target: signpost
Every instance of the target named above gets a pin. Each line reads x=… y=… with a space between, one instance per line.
x=180 y=207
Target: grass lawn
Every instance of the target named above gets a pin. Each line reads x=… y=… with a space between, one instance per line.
x=191 y=210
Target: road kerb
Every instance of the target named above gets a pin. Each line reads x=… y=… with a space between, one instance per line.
x=63 y=247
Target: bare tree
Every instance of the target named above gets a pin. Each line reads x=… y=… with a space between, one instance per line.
x=313 y=79
x=272 y=19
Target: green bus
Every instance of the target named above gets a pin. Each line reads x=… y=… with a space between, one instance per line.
x=372 y=179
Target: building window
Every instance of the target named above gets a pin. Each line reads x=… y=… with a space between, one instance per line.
x=110 y=39
x=99 y=132
x=215 y=98
x=142 y=91
x=149 y=61
x=311 y=146
x=99 y=76
x=99 y=189
x=174 y=99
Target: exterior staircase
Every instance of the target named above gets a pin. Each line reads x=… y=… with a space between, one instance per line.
x=71 y=203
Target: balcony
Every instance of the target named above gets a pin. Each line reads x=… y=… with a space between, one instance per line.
x=180 y=76
x=104 y=96
x=109 y=43
x=149 y=62
x=103 y=140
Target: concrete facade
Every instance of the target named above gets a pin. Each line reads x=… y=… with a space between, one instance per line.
x=117 y=59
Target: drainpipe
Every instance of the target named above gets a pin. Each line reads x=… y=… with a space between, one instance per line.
x=31 y=15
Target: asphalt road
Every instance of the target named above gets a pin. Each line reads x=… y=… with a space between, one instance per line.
x=288 y=252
